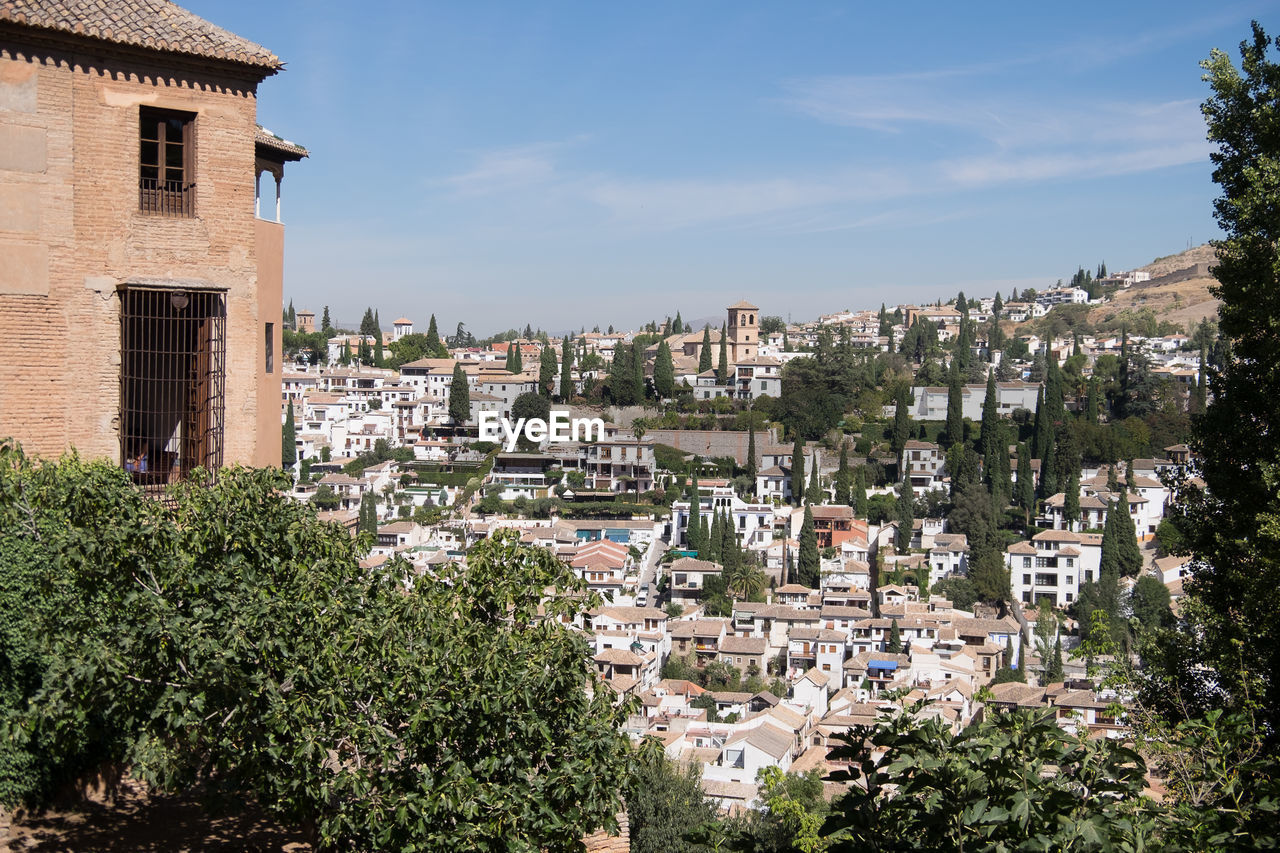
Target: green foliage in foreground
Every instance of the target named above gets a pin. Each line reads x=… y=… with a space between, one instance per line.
x=231 y=639
x=1014 y=781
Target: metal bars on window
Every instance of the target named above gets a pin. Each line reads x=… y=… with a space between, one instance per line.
x=172 y=381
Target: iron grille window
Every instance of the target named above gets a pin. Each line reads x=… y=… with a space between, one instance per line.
x=172 y=374
x=166 y=183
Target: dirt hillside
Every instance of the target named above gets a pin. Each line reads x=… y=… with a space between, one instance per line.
x=1182 y=301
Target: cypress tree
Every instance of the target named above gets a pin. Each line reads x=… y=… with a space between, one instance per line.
x=546 y=371
x=1199 y=397
x=809 y=566
x=345 y=358
x=860 y=493
x=566 y=370
x=1040 y=433
x=844 y=478
x=1025 y=493
x=638 y=389
x=368 y=519
x=288 y=439
x=1055 y=671
x=459 y=396
x=694 y=534
x=378 y=355
x=797 y=472
x=814 y=494
x=1049 y=469
x=955 y=405
x=1071 y=505
x=664 y=373
x=752 y=467
x=677 y=325
x=786 y=343
x=704 y=357
x=901 y=423
x=992 y=443
x=906 y=514
x=715 y=541
x=325 y=326
x=894 y=644
x=722 y=367
x=1092 y=401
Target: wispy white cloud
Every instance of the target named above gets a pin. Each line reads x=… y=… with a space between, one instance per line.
x=514 y=168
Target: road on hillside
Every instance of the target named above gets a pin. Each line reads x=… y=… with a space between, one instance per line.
x=649 y=568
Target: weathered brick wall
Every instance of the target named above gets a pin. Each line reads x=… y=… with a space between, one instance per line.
x=70 y=224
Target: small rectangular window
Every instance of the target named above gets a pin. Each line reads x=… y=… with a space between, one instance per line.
x=166 y=162
x=271 y=348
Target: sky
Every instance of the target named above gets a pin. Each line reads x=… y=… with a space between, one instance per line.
x=578 y=164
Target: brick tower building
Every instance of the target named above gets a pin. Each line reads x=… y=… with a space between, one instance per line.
x=140 y=288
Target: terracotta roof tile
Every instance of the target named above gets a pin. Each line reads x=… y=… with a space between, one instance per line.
x=153 y=24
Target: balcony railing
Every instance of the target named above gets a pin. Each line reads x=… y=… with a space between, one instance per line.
x=165 y=198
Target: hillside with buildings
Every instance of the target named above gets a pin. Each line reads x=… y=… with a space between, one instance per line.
x=1177 y=291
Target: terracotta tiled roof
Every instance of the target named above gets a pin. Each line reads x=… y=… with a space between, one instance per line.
x=152 y=24
x=291 y=150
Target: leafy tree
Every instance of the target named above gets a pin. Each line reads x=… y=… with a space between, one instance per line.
x=664 y=375
x=458 y=702
x=958 y=590
x=704 y=355
x=1150 y=604
x=288 y=439
x=665 y=803
x=809 y=566
x=459 y=396
x=990 y=577
x=1011 y=781
x=797 y=472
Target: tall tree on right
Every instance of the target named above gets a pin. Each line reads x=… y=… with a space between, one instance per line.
x=566 y=370
x=459 y=396
x=664 y=372
x=808 y=567
x=288 y=439
x=722 y=365
x=797 y=472
x=901 y=422
x=955 y=405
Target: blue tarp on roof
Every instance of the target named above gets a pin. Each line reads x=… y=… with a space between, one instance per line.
x=882 y=664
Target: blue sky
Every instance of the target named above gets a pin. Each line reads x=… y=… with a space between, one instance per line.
x=576 y=164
